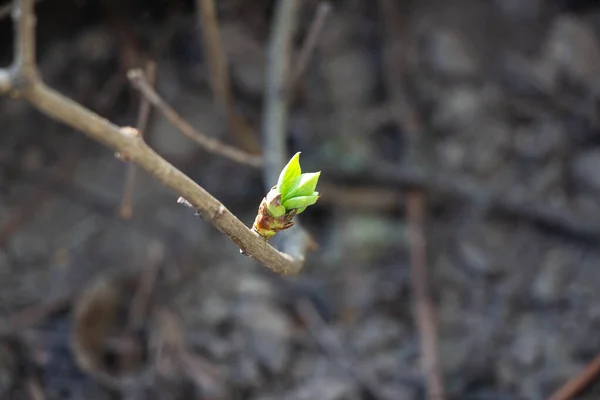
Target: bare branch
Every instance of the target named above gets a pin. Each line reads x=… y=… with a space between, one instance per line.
x=6 y=8
x=308 y=48
x=5 y=84
x=213 y=145
x=424 y=307
x=23 y=14
x=219 y=74
x=131 y=147
x=126 y=207
x=574 y=386
x=274 y=121
x=408 y=118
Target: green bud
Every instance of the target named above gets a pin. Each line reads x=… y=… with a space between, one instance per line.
x=273 y=200
x=301 y=202
x=304 y=185
x=289 y=173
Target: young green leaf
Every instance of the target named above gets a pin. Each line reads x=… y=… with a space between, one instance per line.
x=301 y=202
x=304 y=185
x=289 y=173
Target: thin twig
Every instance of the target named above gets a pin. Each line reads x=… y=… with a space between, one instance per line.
x=308 y=48
x=219 y=76
x=126 y=207
x=6 y=8
x=274 y=121
x=132 y=147
x=5 y=83
x=424 y=308
x=579 y=382
x=35 y=389
x=213 y=145
x=407 y=117
x=141 y=298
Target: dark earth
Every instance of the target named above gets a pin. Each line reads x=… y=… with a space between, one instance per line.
x=504 y=96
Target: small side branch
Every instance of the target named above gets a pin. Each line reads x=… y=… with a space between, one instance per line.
x=138 y=80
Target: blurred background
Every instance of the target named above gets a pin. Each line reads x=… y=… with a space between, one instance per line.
x=472 y=122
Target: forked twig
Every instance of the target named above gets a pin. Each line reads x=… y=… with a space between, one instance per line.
x=22 y=80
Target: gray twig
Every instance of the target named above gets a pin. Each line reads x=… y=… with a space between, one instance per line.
x=274 y=122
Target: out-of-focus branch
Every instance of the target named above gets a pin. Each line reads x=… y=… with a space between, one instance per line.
x=6 y=8
x=219 y=76
x=308 y=48
x=130 y=145
x=24 y=19
x=126 y=207
x=139 y=81
x=5 y=83
x=408 y=118
x=574 y=386
x=275 y=115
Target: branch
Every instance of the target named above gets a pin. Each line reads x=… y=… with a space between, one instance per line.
x=424 y=306
x=23 y=14
x=5 y=84
x=408 y=118
x=131 y=146
x=212 y=145
x=6 y=9
x=126 y=206
x=579 y=382
x=274 y=121
x=219 y=74
x=308 y=48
